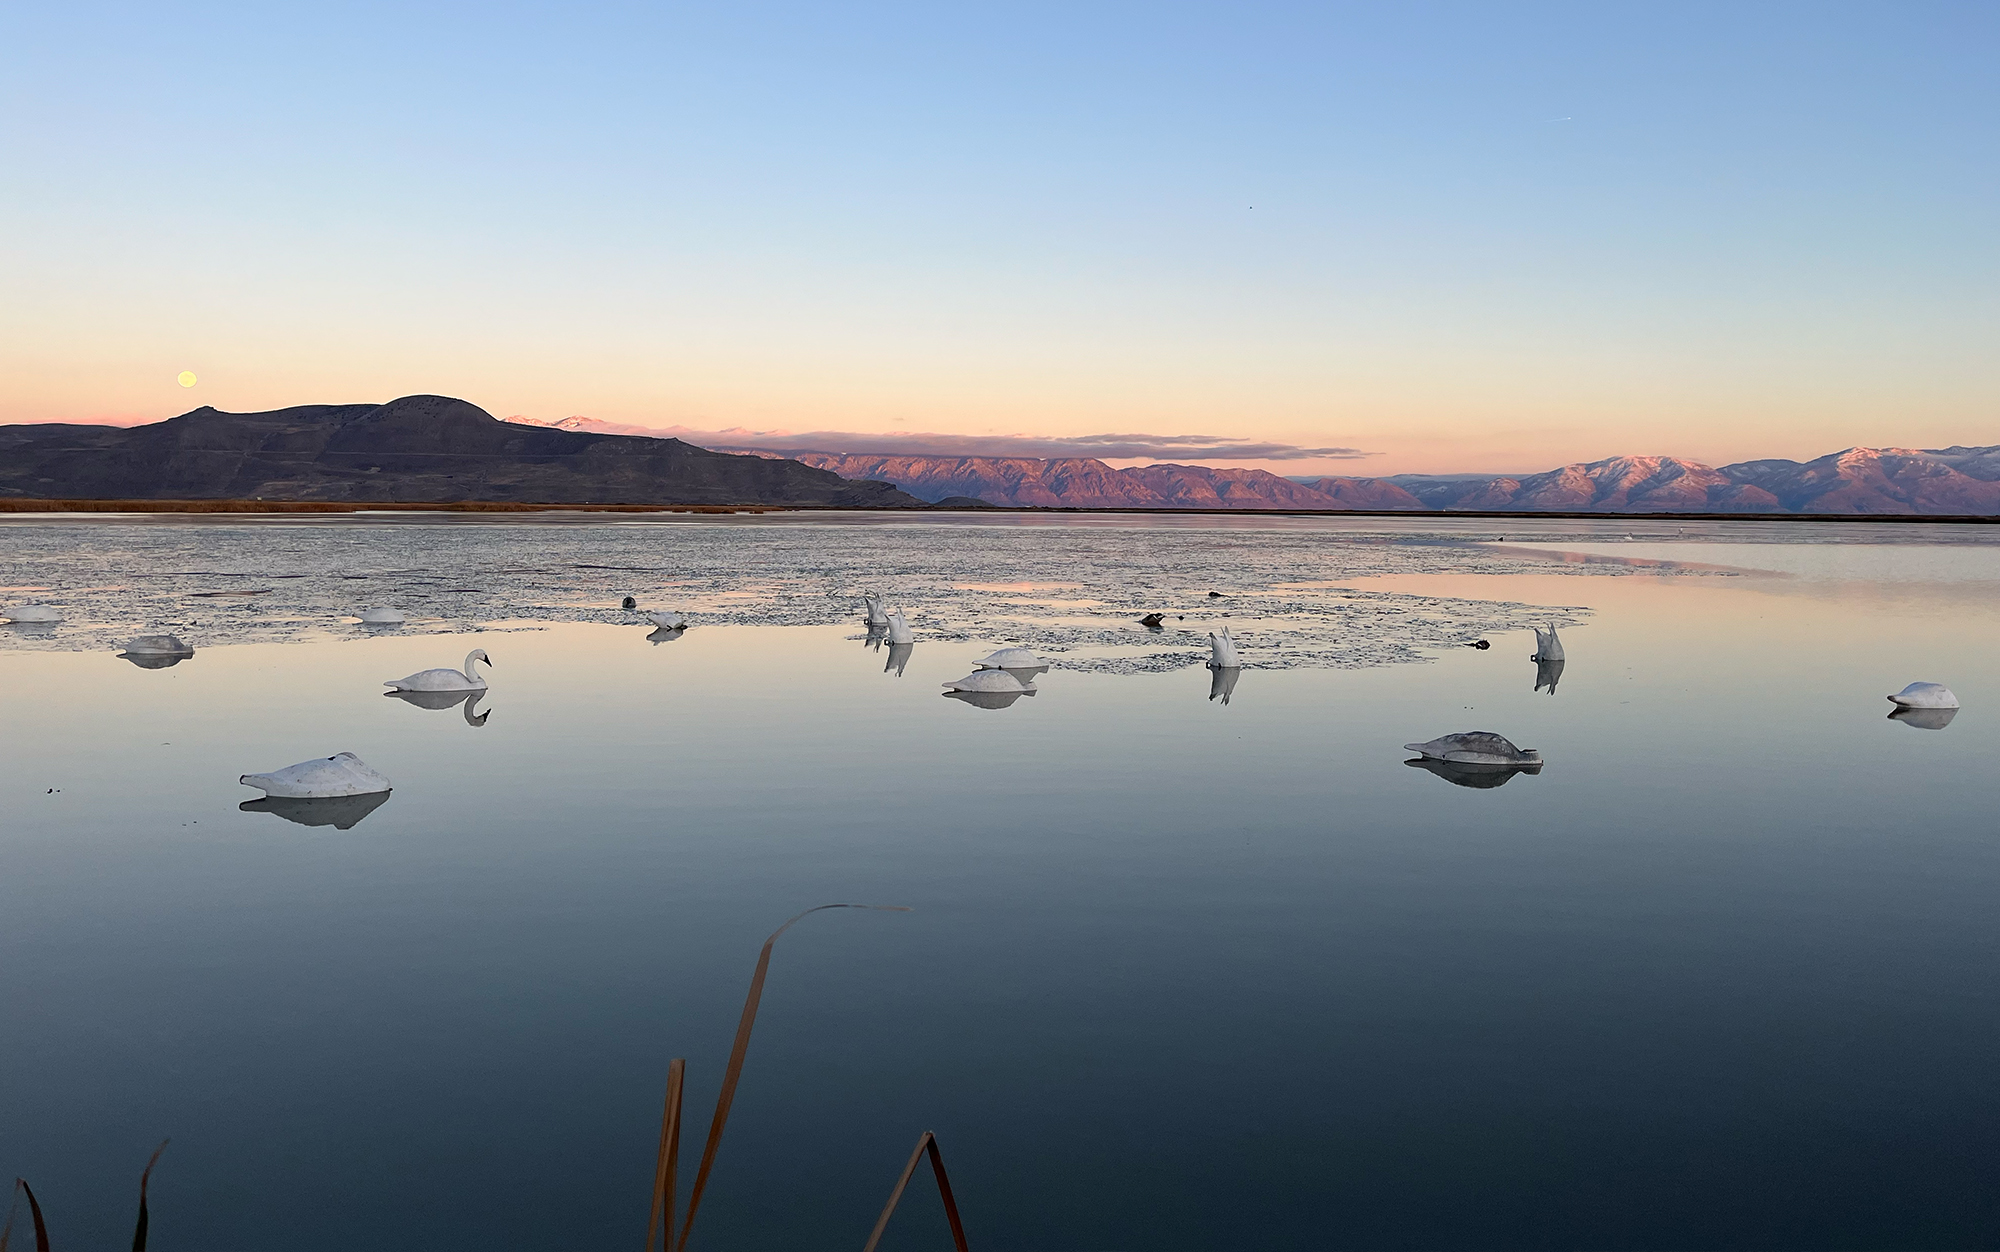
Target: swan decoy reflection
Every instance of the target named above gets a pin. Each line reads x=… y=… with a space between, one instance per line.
x=342 y=774
x=1924 y=719
x=158 y=646
x=444 y=679
x=991 y=680
x=899 y=656
x=1546 y=674
x=155 y=660
x=873 y=640
x=381 y=615
x=1925 y=696
x=1222 y=651
x=899 y=630
x=339 y=812
x=988 y=699
x=1480 y=776
x=1222 y=682
x=32 y=614
x=445 y=700
x=665 y=634
x=1547 y=646
x=1477 y=748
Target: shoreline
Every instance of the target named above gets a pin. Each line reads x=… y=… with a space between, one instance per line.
x=279 y=508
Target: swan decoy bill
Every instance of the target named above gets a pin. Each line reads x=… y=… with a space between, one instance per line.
x=1011 y=658
x=381 y=615
x=1222 y=650
x=1925 y=696
x=342 y=774
x=899 y=630
x=1477 y=747
x=158 y=645
x=443 y=679
x=1547 y=646
x=995 y=681
x=31 y=613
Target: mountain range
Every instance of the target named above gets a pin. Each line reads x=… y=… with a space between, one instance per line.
x=416 y=449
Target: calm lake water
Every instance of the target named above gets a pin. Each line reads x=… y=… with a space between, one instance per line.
x=1179 y=974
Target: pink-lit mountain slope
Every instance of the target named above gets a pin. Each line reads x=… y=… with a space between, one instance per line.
x=1087 y=483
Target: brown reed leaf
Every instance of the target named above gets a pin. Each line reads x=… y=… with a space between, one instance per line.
x=670 y=1151
x=139 y=1234
x=925 y=1142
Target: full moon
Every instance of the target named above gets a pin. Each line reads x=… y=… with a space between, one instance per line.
x=187 y=378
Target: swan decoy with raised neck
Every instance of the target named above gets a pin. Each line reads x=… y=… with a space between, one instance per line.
x=875 y=614
x=1477 y=747
x=444 y=679
x=899 y=630
x=1925 y=696
x=381 y=615
x=342 y=774
x=1222 y=651
x=27 y=613
x=1547 y=646
x=158 y=645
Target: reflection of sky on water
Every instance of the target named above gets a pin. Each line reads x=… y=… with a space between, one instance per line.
x=1702 y=981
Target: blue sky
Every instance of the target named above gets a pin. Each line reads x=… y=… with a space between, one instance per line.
x=1459 y=237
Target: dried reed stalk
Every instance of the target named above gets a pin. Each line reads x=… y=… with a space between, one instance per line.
x=139 y=1234
x=670 y=1152
x=925 y=1142
x=735 y=1069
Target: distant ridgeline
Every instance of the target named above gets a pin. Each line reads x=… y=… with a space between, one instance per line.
x=419 y=449
x=1945 y=481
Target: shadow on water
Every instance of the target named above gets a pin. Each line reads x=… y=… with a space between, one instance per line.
x=437 y=700
x=339 y=812
x=1924 y=719
x=1480 y=776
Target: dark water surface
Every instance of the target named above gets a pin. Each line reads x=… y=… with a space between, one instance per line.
x=1179 y=974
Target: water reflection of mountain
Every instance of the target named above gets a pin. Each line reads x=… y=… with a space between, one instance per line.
x=339 y=812
x=1222 y=683
x=446 y=699
x=1546 y=674
x=155 y=660
x=1924 y=719
x=1480 y=776
x=987 y=699
x=899 y=656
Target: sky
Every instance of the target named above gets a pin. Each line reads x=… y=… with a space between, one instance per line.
x=1362 y=239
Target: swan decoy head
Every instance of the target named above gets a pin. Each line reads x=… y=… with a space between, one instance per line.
x=477 y=654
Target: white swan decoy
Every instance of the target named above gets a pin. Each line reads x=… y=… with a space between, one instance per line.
x=31 y=613
x=1925 y=696
x=876 y=614
x=343 y=774
x=899 y=630
x=1011 y=658
x=381 y=615
x=1477 y=747
x=1547 y=646
x=444 y=679
x=668 y=620
x=1222 y=651
x=158 y=645
x=997 y=681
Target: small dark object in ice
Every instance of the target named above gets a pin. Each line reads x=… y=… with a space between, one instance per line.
x=1481 y=644
x=1215 y=595
x=631 y=602
x=1152 y=621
